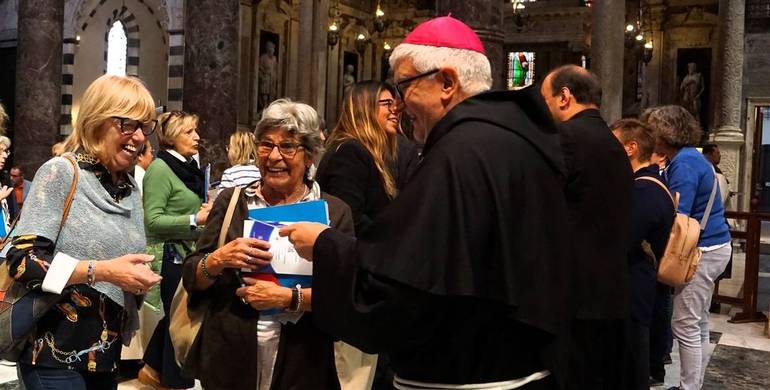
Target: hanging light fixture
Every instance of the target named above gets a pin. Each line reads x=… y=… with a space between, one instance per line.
x=647 y=52
x=386 y=50
x=333 y=35
x=361 y=43
x=379 y=19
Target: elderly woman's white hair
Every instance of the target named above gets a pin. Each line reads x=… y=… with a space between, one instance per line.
x=472 y=67
x=294 y=117
x=5 y=141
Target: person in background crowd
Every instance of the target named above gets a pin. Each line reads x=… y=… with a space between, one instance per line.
x=95 y=263
x=598 y=190
x=242 y=153
x=693 y=177
x=20 y=185
x=458 y=279
x=714 y=156
x=652 y=214
x=283 y=350
x=174 y=216
x=8 y=205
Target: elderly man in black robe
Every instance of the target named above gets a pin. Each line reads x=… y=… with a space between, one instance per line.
x=598 y=192
x=461 y=279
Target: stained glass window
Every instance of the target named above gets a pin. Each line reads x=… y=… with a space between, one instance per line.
x=521 y=69
x=116 y=49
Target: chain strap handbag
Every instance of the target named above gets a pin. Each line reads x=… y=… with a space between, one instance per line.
x=21 y=306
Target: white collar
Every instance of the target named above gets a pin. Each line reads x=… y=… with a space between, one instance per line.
x=177 y=155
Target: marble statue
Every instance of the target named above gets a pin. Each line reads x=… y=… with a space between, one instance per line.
x=348 y=79
x=268 y=65
x=691 y=89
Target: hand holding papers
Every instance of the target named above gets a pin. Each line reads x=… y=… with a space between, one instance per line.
x=287 y=268
x=303 y=235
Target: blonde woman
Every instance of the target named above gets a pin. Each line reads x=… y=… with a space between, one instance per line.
x=242 y=153
x=96 y=262
x=359 y=148
x=174 y=211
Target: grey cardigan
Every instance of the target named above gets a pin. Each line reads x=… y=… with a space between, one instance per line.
x=98 y=228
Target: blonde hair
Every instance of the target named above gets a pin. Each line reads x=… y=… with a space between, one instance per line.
x=358 y=121
x=5 y=141
x=108 y=96
x=241 y=148
x=171 y=124
x=57 y=149
x=3 y=119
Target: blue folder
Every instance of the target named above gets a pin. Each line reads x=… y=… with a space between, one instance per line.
x=312 y=211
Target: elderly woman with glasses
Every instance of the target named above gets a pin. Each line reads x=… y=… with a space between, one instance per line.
x=174 y=191
x=275 y=351
x=95 y=261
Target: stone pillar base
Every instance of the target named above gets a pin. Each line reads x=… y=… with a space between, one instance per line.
x=730 y=141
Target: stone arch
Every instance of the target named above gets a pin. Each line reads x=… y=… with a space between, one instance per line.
x=131 y=27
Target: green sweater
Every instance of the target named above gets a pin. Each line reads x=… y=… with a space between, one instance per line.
x=168 y=204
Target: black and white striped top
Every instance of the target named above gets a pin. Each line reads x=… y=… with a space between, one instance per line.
x=239 y=175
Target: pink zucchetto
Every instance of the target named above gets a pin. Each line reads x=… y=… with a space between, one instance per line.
x=445 y=31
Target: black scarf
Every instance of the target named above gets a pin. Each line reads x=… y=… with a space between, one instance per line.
x=187 y=172
x=118 y=190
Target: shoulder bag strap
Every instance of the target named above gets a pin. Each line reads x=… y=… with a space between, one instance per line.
x=704 y=221
x=229 y=215
x=71 y=193
x=674 y=201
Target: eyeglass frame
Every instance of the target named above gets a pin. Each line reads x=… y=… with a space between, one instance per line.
x=140 y=125
x=296 y=145
x=391 y=104
x=401 y=90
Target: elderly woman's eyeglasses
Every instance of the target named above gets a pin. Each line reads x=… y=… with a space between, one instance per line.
x=403 y=85
x=129 y=126
x=286 y=149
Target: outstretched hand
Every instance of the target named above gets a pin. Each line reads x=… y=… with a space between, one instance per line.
x=303 y=236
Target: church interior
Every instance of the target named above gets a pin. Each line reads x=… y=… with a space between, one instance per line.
x=226 y=60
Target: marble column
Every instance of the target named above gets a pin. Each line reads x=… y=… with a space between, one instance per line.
x=320 y=54
x=486 y=18
x=729 y=135
x=38 y=81
x=305 y=60
x=211 y=79
x=607 y=35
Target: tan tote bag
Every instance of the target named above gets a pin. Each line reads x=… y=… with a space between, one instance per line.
x=184 y=324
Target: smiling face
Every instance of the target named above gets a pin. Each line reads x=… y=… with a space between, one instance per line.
x=118 y=151
x=280 y=172
x=421 y=98
x=387 y=116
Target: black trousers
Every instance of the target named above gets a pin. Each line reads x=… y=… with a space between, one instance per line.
x=594 y=357
x=636 y=359
x=160 y=352
x=661 y=338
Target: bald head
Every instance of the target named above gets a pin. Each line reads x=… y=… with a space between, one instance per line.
x=570 y=89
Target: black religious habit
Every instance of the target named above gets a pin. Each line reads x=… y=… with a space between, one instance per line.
x=461 y=279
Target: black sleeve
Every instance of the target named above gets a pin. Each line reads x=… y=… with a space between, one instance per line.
x=370 y=312
x=346 y=176
x=29 y=258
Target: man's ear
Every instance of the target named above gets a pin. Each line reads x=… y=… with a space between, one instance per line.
x=565 y=98
x=450 y=82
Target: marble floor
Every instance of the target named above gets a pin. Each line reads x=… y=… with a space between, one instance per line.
x=739 y=359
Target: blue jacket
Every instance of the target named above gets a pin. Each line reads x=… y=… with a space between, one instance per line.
x=692 y=176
